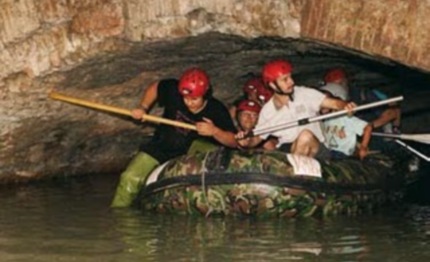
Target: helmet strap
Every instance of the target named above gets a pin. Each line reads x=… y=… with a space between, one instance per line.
x=282 y=93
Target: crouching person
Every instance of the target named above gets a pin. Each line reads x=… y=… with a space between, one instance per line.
x=188 y=100
x=247 y=117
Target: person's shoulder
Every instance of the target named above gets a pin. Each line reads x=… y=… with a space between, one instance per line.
x=307 y=91
x=215 y=103
x=269 y=106
x=167 y=91
x=168 y=82
x=356 y=119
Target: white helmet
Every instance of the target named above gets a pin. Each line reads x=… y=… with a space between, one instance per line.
x=336 y=90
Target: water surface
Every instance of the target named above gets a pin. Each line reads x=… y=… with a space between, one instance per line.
x=70 y=220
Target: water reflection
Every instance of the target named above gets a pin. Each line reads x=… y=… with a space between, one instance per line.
x=70 y=220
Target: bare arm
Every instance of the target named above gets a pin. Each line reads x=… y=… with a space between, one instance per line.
x=146 y=102
x=149 y=96
x=207 y=128
x=337 y=104
x=364 y=147
x=247 y=142
x=225 y=137
x=390 y=114
x=333 y=103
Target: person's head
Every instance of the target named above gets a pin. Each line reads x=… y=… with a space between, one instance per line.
x=336 y=75
x=277 y=75
x=255 y=90
x=194 y=86
x=264 y=94
x=250 y=88
x=247 y=114
x=336 y=83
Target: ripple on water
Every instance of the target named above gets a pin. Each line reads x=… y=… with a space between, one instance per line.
x=70 y=220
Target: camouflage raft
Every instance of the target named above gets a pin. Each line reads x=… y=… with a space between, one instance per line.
x=272 y=184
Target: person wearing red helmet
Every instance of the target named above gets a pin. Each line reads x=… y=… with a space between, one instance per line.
x=255 y=90
x=288 y=104
x=336 y=83
x=247 y=114
x=247 y=117
x=341 y=135
x=187 y=100
x=385 y=118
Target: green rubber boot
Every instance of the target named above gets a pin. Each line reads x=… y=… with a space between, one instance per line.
x=132 y=178
x=200 y=145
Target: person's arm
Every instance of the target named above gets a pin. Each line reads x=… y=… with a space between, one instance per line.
x=247 y=142
x=207 y=128
x=146 y=102
x=364 y=147
x=270 y=144
x=337 y=104
x=387 y=116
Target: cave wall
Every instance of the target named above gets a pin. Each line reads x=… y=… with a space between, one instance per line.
x=41 y=36
x=107 y=50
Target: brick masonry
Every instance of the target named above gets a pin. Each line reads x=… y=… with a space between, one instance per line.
x=396 y=29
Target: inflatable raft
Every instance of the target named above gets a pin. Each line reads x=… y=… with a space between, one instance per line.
x=273 y=184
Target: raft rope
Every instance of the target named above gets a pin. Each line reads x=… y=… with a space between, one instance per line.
x=205 y=197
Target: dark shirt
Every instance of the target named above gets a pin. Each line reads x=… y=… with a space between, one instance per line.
x=362 y=96
x=170 y=141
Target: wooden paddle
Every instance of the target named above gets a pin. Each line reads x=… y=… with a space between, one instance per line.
x=118 y=110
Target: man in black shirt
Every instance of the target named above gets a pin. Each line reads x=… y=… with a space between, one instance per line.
x=188 y=100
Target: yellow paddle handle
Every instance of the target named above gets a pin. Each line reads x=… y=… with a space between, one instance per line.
x=118 y=110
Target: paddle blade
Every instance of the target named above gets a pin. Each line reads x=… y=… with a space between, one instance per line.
x=420 y=138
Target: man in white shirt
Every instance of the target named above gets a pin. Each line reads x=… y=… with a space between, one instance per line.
x=288 y=104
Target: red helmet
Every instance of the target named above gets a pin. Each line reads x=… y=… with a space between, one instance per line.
x=252 y=85
x=194 y=82
x=264 y=94
x=334 y=74
x=274 y=69
x=248 y=105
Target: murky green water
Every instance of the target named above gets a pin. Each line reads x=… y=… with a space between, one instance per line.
x=70 y=220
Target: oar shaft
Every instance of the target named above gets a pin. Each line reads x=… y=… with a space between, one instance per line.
x=413 y=150
x=169 y=122
x=358 y=108
x=323 y=117
x=118 y=110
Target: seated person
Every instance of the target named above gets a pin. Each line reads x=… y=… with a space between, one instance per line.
x=341 y=134
x=254 y=90
x=290 y=103
x=388 y=117
x=188 y=100
x=336 y=82
x=247 y=117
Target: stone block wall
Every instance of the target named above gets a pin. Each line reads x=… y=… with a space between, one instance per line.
x=395 y=29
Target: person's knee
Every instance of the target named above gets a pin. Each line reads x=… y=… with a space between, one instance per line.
x=305 y=144
x=306 y=137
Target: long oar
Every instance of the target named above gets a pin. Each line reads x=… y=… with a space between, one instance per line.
x=421 y=138
x=118 y=110
x=306 y=121
x=413 y=150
